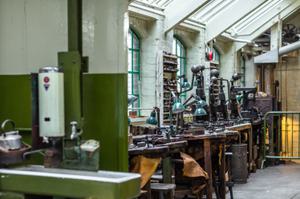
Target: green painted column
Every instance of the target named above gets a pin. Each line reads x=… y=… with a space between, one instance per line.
x=71 y=64
x=105 y=85
x=105 y=116
x=75 y=25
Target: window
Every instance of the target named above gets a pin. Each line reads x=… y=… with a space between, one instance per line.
x=180 y=50
x=134 y=67
x=216 y=57
x=243 y=70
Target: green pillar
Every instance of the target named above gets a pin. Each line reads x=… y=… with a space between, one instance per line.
x=75 y=25
x=71 y=64
x=105 y=86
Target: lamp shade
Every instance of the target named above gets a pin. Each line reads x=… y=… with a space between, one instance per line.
x=129 y=121
x=239 y=98
x=152 y=119
x=185 y=84
x=177 y=106
x=131 y=99
x=200 y=112
x=201 y=103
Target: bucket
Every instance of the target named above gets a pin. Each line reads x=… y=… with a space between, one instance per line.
x=239 y=167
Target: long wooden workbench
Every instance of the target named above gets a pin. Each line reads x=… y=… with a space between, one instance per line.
x=207 y=141
x=182 y=142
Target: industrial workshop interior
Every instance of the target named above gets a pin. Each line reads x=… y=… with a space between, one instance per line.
x=149 y=99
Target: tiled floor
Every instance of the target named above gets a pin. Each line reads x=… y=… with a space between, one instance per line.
x=277 y=182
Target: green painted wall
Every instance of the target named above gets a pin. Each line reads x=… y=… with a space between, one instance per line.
x=15 y=100
x=105 y=117
x=104 y=106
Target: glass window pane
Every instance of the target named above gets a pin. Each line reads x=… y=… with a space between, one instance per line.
x=129 y=60
x=179 y=67
x=135 y=104
x=180 y=51
x=135 y=61
x=133 y=66
x=130 y=83
x=135 y=83
x=216 y=54
x=136 y=43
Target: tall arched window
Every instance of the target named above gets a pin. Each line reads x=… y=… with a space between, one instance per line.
x=180 y=50
x=134 y=66
x=216 y=57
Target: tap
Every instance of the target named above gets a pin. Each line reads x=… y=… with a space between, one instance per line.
x=39 y=151
x=74 y=130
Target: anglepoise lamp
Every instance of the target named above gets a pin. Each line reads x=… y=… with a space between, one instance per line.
x=152 y=119
x=185 y=84
x=200 y=111
x=131 y=99
x=177 y=106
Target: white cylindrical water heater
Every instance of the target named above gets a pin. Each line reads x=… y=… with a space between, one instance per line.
x=51 y=102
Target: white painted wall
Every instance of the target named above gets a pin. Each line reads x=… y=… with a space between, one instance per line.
x=31 y=34
x=104 y=35
x=153 y=43
x=228 y=61
x=250 y=72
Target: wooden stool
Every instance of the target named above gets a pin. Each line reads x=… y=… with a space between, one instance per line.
x=163 y=190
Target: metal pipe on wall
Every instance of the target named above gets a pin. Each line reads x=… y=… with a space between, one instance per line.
x=289 y=48
x=71 y=62
x=273 y=55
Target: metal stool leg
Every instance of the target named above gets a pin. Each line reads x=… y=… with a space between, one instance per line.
x=231 y=192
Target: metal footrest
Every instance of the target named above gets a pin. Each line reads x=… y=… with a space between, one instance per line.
x=162 y=187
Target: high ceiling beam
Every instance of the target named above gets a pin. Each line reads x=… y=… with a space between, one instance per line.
x=178 y=10
x=230 y=16
x=267 y=20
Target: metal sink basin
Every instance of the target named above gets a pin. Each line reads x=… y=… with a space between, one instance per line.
x=38 y=180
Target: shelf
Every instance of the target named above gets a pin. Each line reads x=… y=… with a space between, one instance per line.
x=170 y=70
x=165 y=62
x=170 y=56
x=168 y=113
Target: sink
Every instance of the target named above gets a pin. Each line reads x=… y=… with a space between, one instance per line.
x=38 y=180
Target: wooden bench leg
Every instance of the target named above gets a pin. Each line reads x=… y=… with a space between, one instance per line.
x=208 y=168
